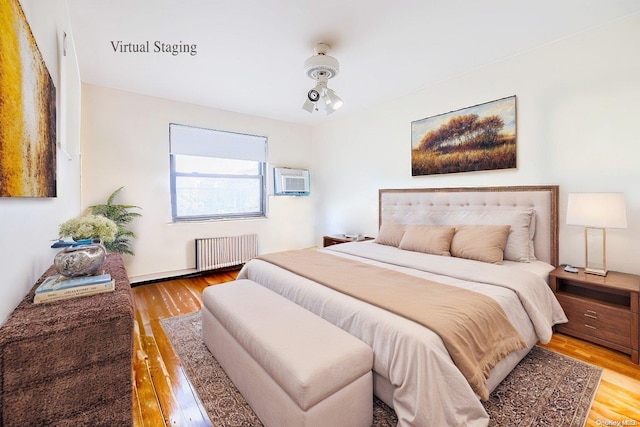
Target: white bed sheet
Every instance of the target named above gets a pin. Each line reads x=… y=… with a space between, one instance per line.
x=427 y=388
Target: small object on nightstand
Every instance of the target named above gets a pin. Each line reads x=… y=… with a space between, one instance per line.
x=342 y=238
x=570 y=269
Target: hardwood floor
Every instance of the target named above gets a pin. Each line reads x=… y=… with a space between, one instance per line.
x=164 y=396
x=162 y=392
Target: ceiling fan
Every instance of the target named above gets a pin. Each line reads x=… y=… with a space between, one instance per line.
x=321 y=67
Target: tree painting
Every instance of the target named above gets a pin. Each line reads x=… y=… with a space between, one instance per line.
x=476 y=138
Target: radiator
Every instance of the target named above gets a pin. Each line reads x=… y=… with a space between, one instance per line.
x=219 y=252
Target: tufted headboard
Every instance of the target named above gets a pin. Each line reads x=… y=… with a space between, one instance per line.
x=408 y=205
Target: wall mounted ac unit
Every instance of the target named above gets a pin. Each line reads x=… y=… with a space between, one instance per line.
x=290 y=182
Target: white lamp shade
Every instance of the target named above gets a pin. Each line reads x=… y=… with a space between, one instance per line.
x=601 y=210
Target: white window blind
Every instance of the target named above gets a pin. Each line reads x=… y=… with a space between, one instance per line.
x=195 y=141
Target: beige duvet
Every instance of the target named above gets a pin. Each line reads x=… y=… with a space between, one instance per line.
x=473 y=327
x=416 y=374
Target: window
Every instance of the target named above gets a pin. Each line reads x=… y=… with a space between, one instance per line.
x=216 y=174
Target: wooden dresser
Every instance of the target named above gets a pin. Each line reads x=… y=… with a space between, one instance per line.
x=603 y=310
x=69 y=362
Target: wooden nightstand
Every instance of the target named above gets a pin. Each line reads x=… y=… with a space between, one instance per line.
x=340 y=238
x=603 y=310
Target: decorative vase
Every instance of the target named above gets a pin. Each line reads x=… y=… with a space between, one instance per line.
x=81 y=260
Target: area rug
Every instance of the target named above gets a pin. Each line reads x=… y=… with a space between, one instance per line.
x=546 y=388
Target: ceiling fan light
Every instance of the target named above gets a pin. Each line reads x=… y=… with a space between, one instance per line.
x=329 y=108
x=321 y=64
x=322 y=67
x=332 y=99
x=309 y=106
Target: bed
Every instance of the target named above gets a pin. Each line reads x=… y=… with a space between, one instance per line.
x=413 y=371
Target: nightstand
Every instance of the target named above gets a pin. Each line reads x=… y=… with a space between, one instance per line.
x=341 y=238
x=603 y=310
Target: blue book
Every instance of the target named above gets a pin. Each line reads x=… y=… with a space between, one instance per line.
x=58 y=282
x=66 y=243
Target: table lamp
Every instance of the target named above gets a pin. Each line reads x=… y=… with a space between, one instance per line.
x=596 y=212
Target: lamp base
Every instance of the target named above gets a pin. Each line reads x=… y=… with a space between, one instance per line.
x=595 y=271
x=595 y=252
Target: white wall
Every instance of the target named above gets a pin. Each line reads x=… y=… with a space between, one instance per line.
x=125 y=141
x=27 y=226
x=577 y=126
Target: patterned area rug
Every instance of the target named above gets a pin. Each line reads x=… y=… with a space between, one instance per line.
x=546 y=388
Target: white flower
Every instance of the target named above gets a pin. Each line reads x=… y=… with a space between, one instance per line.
x=89 y=227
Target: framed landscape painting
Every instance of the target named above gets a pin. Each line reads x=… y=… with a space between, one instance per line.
x=27 y=111
x=482 y=137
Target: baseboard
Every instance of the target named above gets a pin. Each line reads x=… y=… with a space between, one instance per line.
x=186 y=274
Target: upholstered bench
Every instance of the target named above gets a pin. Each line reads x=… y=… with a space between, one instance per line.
x=293 y=367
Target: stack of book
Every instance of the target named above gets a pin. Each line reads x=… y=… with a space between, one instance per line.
x=58 y=287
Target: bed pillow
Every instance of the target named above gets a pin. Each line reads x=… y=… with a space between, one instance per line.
x=532 y=233
x=484 y=243
x=390 y=234
x=430 y=239
x=519 y=245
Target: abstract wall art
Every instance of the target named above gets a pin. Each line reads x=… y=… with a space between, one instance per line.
x=27 y=111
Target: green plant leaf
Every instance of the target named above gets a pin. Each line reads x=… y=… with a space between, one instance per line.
x=121 y=215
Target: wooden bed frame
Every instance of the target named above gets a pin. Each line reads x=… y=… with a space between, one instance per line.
x=542 y=198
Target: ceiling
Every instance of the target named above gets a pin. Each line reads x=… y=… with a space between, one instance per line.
x=250 y=53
